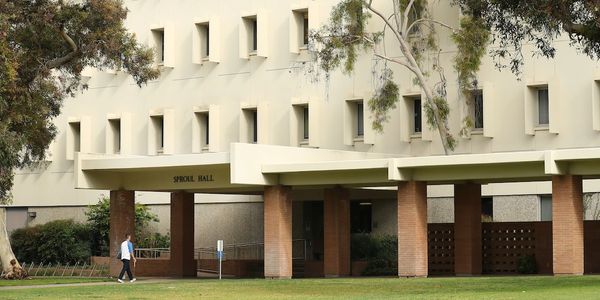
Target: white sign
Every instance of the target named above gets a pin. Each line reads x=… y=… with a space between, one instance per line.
x=220 y=245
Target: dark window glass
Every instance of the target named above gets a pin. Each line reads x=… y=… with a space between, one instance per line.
x=161 y=35
x=360 y=217
x=417 y=115
x=487 y=209
x=305 y=29
x=543 y=107
x=305 y=122
x=254 y=35
x=360 y=126
x=206 y=128
x=478 y=109
x=254 y=126
x=546 y=208
x=207 y=42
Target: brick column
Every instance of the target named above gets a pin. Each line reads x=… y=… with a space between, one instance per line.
x=122 y=222
x=278 y=232
x=467 y=229
x=182 y=235
x=412 y=229
x=336 y=218
x=567 y=224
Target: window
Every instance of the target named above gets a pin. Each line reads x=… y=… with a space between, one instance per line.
x=487 y=209
x=360 y=120
x=543 y=107
x=202 y=119
x=360 y=217
x=545 y=208
x=305 y=122
x=114 y=140
x=159 y=41
x=251 y=118
x=204 y=36
x=254 y=35
x=76 y=134
x=477 y=109
x=159 y=133
x=305 y=29
x=250 y=27
x=417 y=117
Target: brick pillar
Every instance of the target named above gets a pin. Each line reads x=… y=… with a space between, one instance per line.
x=278 y=232
x=182 y=235
x=467 y=229
x=567 y=224
x=122 y=222
x=412 y=229
x=336 y=218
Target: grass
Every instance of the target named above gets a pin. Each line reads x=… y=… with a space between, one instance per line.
x=49 y=280
x=526 y=287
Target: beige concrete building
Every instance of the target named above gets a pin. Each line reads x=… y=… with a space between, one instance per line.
x=237 y=125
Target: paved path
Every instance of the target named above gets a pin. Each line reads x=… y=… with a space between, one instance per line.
x=142 y=281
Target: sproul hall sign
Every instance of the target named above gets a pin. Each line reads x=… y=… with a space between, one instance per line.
x=193 y=178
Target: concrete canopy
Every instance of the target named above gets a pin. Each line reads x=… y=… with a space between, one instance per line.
x=249 y=167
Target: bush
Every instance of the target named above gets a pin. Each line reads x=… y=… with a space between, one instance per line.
x=380 y=252
x=526 y=264
x=61 y=241
x=99 y=219
x=153 y=240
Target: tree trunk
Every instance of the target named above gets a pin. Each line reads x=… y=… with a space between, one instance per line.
x=10 y=266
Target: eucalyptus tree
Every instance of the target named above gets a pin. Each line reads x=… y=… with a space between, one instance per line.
x=44 y=46
x=414 y=31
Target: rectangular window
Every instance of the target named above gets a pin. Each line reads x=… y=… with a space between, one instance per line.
x=360 y=120
x=250 y=128
x=305 y=29
x=76 y=134
x=204 y=37
x=305 y=122
x=361 y=216
x=115 y=128
x=254 y=29
x=543 y=106
x=159 y=42
x=545 y=208
x=202 y=119
x=478 y=109
x=487 y=209
x=159 y=133
x=417 y=118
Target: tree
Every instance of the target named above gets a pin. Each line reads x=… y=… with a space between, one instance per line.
x=44 y=46
x=506 y=24
x=98 y=216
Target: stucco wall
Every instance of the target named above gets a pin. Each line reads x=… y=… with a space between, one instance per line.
x=518 y=208
x=440 y=210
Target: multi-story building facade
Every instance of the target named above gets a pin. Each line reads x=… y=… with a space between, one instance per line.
x=240 y=124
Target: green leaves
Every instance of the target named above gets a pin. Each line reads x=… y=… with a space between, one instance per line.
x=384 y=100
x=39 y=67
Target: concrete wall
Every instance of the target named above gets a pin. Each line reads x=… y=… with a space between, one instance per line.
x=516 y=208
x=440 y=210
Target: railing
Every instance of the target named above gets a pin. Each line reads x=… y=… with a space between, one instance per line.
x=249 y=251
x=64 y=270
x=152 y=252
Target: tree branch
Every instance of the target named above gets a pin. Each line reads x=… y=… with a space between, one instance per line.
x=429 y=20
x=394 y=60
x=55 y=63
x=406 y=11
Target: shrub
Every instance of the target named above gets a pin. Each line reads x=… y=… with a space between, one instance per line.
x=99 y=219
x=380 y=252
x=61 y=241
x=526 y=264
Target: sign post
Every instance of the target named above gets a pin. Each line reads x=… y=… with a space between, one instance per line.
x=220 y=255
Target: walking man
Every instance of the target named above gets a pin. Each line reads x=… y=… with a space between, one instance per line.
x=126 y=256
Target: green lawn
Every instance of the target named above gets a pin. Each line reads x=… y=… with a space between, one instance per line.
x=527 y=287
x=49 y=280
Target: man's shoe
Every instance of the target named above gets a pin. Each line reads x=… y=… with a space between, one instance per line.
x=132 y=280
x=119 y=280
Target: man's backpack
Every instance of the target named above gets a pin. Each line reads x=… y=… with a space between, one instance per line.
x=119 y=255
